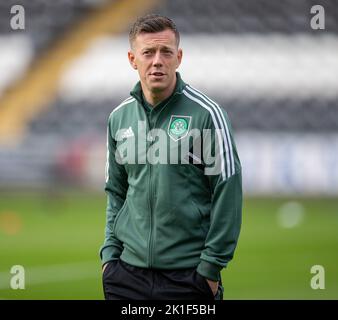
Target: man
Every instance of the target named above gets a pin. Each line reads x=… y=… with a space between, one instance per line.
x=174 y=208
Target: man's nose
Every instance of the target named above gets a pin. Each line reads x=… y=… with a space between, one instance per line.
x=157 y=62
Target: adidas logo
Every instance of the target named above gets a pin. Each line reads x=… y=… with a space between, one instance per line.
x=127 y=133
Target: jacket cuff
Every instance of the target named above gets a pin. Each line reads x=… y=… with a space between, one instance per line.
x=209 y=270
x=109 y=253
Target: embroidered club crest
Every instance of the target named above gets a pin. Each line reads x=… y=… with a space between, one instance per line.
x=178 y=127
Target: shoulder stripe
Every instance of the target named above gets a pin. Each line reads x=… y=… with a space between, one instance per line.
x=226 y=134
x=216 y=126
x=123 y=103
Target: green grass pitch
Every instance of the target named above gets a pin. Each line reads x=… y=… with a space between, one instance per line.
x=56 y=239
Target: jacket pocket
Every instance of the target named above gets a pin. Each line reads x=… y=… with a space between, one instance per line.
x=196 y=210
x=119 y=214
x=200 y=217
x=204 y=284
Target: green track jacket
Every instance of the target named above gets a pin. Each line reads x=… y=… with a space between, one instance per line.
x=165 y=209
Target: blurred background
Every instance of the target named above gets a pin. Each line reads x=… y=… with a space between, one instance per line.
x=62 y=75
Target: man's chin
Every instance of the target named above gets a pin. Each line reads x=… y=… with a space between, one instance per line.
x=157 y=87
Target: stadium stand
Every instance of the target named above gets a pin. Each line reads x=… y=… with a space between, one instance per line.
x=46 y=20
x=242 y=16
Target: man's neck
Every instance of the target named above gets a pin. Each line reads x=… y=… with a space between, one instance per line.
x=154 y=98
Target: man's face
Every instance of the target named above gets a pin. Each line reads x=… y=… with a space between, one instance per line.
x=156 y=57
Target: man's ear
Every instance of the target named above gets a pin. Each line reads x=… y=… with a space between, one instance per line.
x=131 y=58
x=179 y=56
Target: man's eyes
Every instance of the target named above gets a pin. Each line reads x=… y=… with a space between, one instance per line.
x=150 y=52
x=167 y=51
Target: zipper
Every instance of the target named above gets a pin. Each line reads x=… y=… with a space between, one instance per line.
x=150 y=259
x=150 y=239
x=150 y=184
x=151 y=201
x=148 y=129
x=151 y=193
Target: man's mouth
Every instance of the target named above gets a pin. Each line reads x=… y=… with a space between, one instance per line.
x=157 y=74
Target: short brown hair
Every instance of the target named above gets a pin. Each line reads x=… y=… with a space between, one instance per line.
x=152 y=23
